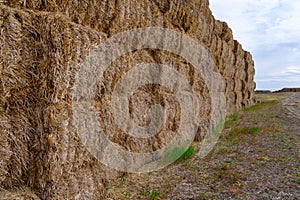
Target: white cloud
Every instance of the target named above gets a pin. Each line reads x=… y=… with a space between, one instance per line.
x=293 y=69
x=270 y=30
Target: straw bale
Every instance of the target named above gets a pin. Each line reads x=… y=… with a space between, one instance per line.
x=96 y=14
x=20 y=193
x=149 y=95
x=38 y=63
x=63 y=168
x=16 y=61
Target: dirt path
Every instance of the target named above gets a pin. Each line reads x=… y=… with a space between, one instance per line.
x=293 y=105
x=256 y=157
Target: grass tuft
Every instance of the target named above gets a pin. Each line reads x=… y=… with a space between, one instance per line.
x=187 y=154
x=151 y=194
x=233 y=136
x=231 y=120
x=178 y=153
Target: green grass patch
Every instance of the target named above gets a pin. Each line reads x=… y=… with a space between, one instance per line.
x=178 y=153
x=222 y=168
x=295 y=177
x=126 y=194
x=187 y=154
x=231 y=120
x=122 y=180
x=263 y=158
x=233 y=135
x=259 y=105
x=151 y=194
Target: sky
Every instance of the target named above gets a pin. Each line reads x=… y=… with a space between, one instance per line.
x=270 y=30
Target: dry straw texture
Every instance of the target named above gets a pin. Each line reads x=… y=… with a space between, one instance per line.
x=21 y=193
x=39 y=53
x=16 y=79
x=41 y=44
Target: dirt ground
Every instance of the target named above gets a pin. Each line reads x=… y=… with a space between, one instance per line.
x=256 y=157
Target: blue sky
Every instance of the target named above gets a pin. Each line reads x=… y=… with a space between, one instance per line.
x=270 y=30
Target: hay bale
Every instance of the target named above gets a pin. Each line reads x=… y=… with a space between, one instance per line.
x=148 y=95
x=49 y=49
x=17 y=62
x=63 y=168
x=96 y=14
x=21 y=193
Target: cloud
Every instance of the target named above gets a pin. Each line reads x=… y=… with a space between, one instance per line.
x=293 y=69
x=270 y=30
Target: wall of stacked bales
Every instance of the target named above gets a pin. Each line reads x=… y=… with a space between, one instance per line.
x=42 y=42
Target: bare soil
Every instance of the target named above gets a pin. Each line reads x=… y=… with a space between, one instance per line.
x=256 y=157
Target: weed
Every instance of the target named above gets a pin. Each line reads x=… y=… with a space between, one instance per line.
x=222 y=170
x=228 y=161
x=295 y=177
x=263 y=158
x=151 y=194
x=154 y=194
x=203 y=167
x=122 y=180
x=145 y=192
x=187 y=164
x=126 y=194
x=287 y=143
x=238 y=184
x=231 y=119
x=251 y=130
x=227 y=150
x=222 y=166
x=204 y=175
x=200 y=168
x=263 y=116
x=280 y=159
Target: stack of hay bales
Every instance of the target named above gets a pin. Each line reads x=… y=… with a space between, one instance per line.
x=236 y=67
x=39 y=56
x=42 y=44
